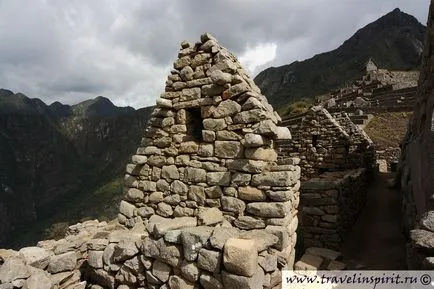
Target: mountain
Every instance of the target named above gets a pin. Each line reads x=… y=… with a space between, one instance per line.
x=53 y=155
x=394 y=41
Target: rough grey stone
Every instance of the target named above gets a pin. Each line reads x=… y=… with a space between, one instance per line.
x=209 y=216
x=209 y=260
x=193 y=240
x=13 y=269
x=270 y=209
x=35 y=257
x=190 y=271
x=221 y=234
x=161 y=271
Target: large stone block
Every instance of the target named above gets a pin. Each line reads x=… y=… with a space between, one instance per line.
x=240 y=257
x=228 y=149
x=275 y=179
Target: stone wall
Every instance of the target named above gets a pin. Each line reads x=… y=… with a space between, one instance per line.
x=329 y=206
x=207 y=160
x=205 y=200
x=326 y=143
x=415 y=176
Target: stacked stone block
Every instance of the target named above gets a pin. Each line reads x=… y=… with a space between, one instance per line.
x=323 y=142
x=329 y=207
x=207 y=169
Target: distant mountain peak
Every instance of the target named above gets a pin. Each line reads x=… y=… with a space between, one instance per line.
x=395 y=41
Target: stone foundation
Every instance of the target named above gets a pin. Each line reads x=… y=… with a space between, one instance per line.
x=329 y=206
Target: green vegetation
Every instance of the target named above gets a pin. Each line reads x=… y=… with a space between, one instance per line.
x=296 y=107
x=388 y=129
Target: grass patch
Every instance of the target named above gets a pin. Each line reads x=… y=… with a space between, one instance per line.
x=388 y=129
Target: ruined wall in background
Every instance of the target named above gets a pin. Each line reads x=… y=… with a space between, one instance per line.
x=325 y=142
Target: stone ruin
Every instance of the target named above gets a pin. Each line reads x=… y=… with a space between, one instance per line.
x=337 y=160
x=415 y=177
x=206 y=203
x=324 y=142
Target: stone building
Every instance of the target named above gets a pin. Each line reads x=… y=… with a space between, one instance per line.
x=370 y=66
x=205 y=200
x=325 y=143
x=207 y=170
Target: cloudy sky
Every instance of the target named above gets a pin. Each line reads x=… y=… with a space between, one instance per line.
x=71 y=50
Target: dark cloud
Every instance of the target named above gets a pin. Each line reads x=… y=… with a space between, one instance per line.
x=77 y=49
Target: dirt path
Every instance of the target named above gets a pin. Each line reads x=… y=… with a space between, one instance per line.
x=376 y=240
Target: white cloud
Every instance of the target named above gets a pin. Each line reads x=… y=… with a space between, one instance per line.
x=74 y=50
x=257 y=56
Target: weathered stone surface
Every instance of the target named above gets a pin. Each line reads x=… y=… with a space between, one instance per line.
x=63 y=262
x=214 y=124
x=156 y=197
x=251 y=194
x=107 y=257
x=226 y=108
x=209 y=216
x=35 y=257
x=193 y=240
x=210 y=282
x=218 y=178
x=228 y=149
x=195 y=175
x=176 y=282
x=164 y=210
x=254 y=140
x=269 y=210
x=179 y=187
x=427 y=221
x=232 y=204
x=248 y=223
x=197 y=194
x=275 y=179
x=236 y=281
x=423 y=239
x=213 y=192
x=282 y=234
x=124 y=250
x=263 y=240
x=190 y=271
x=190 y=147
x=39 y=280
x=162 y=226
x=249 y=166
x=13 y=269
x=95 y=259
x=240 y=257
x=268 y=262
x=134 y=195
x=209 y=260
x=251 y=116
x=221 y=234
x=170 y=172
x=219 y=77
x=262 y=154
x=161 y=271
x=127 y=209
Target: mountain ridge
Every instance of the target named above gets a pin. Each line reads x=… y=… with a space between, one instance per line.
x=52 y=155
x=394 y=41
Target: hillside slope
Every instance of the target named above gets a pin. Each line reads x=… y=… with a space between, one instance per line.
x=50 y=156
x=394 y=41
